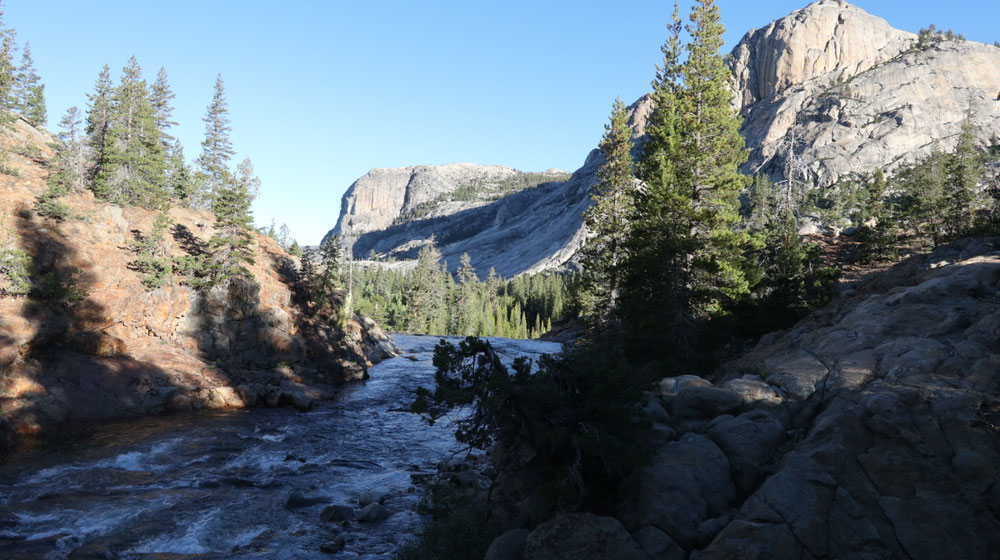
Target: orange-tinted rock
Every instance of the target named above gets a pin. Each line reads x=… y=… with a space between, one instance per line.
x=114 y=349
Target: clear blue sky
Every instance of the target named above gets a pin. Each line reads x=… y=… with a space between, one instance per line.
x=322 y=91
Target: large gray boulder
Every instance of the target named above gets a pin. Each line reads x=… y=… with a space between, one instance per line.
x=581 y=536
x=688 y=482
x=508 y=546
x=895 y=453
x=750 y=441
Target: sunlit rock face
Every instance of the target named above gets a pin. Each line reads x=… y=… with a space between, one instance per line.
x=831 y=90
x=826 y=91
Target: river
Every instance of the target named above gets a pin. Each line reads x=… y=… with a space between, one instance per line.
x=225 y=485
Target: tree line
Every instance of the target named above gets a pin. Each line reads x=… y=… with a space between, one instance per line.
x=428 y=299
x=120 y=148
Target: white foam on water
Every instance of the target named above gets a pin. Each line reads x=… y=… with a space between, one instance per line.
x=274 y=438
x=24 y=518
x=54 y=472
x=245 y=537
x=262 y=461
x=188 y=543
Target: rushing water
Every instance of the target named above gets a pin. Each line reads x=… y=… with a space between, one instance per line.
x=217 y=485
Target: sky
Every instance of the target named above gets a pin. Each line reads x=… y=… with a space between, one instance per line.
x=322 y=91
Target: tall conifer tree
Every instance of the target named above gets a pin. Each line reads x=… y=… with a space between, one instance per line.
x=8 y=74
x=29 y=92
x=230 y=250
x=687 y=253
x=98 y=120
x=71 y=155
x=180 y=180
x=609 y=217
x=216 y=148
x=964 y=172
x=134 y=166
x=161 y=97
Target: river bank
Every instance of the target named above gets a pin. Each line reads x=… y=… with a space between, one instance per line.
x=246 y=484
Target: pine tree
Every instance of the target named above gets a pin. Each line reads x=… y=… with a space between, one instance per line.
x=230 y=250
x=66 y=167
x=328 y=276
x=609 y=217
x=216 y=148
x=8 y=75
x=98 y=120
x=923 y=196
x=688 y=255
x=29 y=92
x=877 y=233
x=72 y=137
x=180 y=180
x=284 y=236
x=294 y=249
x=427 y=292
x=150 y=262
x=134 y=166
x=160 y=97
x=467 y=303
x=964 y=173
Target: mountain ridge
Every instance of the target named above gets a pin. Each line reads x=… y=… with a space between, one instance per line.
x=827 y=91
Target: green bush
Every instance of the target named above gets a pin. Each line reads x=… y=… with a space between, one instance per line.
x=155 y=271
x=52 y=208
x=16 y=266
x=62 y=287
x=458 y=529
x=578 y=414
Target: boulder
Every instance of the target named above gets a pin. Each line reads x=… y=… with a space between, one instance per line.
x=336 y=513
x=373 y=512
x=669 y=386
x=704 y=402
x=508 y=546
x=750 y=441
x=688 y=482
x=335 y=545
x=658 y=545
x=369 y=497
x=754 y=390
x=581 y=536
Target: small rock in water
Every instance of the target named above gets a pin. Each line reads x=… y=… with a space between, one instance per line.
x=369 y=497
x=296 y=500
x=373 y=512
x=334 y=546
x=336 y=513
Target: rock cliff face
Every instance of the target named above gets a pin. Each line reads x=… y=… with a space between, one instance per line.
x=827 y=91
x=830 y=36
x=110 y=348
x=386 y=197
x=531 y=230
x=832 y=90
x=869 y=430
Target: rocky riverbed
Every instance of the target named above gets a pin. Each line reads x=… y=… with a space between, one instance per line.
x=263 y=483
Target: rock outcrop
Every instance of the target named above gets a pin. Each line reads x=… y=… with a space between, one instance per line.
x=826 y=91
x=831 y=90
x=386 y=196
x=869 y=430
x=99 y=345
x=536 y=228
x=394 y=212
